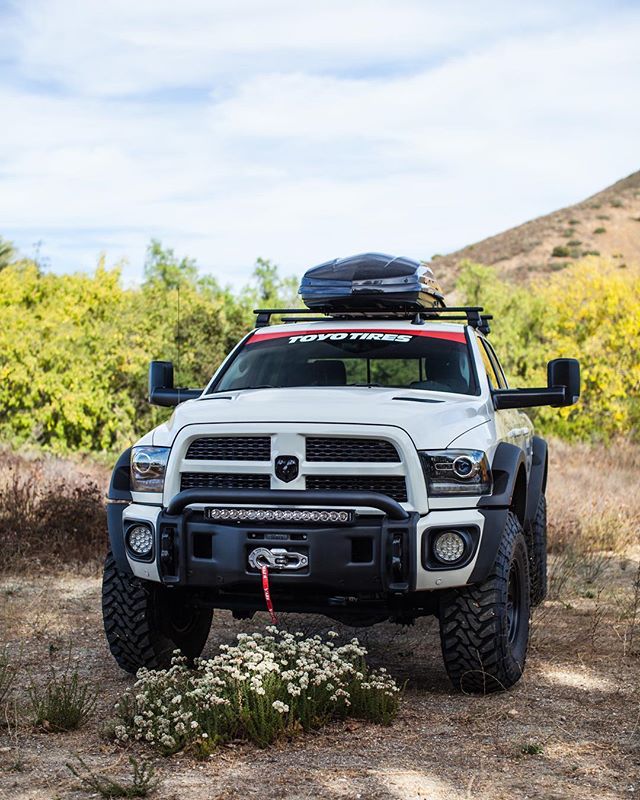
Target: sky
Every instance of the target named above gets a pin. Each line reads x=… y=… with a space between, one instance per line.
x=232 y=129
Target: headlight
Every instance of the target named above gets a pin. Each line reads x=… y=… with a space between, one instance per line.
x=148 y=466
x=456 y=472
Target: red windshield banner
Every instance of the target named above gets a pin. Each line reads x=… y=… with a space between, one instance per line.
x=399 y=335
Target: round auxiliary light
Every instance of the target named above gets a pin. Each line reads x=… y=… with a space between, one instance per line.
x=463 y=467
x=140 y=540
x=449 y=546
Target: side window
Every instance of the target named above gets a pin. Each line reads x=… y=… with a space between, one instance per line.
x=492 y=365
x=488 y=365
x=502 y=381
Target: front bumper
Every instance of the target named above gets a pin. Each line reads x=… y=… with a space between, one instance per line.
x=378 y=559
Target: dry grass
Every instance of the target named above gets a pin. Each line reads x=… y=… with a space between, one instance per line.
x=52 y=513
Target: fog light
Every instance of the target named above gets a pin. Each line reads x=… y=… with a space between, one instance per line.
x=140 y=540
x=449 y=546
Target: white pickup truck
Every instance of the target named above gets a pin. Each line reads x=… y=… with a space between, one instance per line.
x=366 y=453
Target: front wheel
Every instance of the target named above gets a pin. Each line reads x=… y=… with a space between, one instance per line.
x=484 y=629
x=145 y=622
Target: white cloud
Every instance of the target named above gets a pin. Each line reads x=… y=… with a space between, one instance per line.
x=301 y=133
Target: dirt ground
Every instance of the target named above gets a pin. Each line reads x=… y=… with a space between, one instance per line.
x=570 y=729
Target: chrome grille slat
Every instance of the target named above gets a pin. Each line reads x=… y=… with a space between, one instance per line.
x=343 y=449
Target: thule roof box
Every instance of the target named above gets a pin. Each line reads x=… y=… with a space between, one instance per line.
x=370 y=280
x=373 y=286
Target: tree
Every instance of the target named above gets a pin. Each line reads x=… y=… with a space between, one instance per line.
x=7 y=253
x=163 y=267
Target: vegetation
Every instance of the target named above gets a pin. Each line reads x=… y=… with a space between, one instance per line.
x=143 y=780
x=7 y=675
x=64 y=703
x=591 y=311
x=262 y=688
x=75 y=349
x=51 y=512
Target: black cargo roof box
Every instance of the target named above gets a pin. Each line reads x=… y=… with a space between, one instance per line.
x=370 y=280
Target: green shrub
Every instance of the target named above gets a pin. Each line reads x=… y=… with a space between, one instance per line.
x=600 y=230
x=64 y=703
x=590 y=310
x=75 y=349
x=143 y=781
x=560 y=251
x=262 y=688
x=574 y=243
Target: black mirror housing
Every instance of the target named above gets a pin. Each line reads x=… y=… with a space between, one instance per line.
x=563 y=388
x=565 y=372
x=161 y=389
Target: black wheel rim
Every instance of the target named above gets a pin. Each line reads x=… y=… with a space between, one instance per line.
x=514 y=605
x=183 y=619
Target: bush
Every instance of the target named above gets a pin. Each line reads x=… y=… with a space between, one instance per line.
x=75 y=349
x=260 y=689
x=591 y=311
x=143 y=781
x=64 y=703
x=600 y=230
x=51 y=513
x=560 y=251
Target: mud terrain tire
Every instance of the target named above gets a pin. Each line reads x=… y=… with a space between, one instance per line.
x=484 y=628
x=145 y=623
x=537 y=547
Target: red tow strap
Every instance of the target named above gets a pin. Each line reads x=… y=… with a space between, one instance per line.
x=267 y=594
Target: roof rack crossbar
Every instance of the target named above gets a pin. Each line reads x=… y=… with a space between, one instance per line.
x=472 y=314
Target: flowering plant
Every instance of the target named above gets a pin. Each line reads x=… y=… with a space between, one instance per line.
x=263 y=687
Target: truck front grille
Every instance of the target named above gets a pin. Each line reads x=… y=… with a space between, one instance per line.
x=230 y=448
x=392 y=486
x=214 y=480
x=329 y=448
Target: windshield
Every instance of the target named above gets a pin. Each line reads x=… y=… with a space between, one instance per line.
x=432 y=360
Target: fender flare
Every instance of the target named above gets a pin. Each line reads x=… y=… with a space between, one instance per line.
x=118 y=497
x=537 y=477
x=506 y=464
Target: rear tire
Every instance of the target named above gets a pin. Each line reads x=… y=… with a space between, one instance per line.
x=145 y=622
x=537 y=547
x=484 y=629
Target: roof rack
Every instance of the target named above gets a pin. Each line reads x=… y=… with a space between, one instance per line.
x=472 y=315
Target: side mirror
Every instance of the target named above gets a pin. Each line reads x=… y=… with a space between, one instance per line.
x=563 y=388
x=565 y=372
x=161 y=389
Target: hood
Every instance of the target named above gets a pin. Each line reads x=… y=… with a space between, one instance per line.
x=432 y=419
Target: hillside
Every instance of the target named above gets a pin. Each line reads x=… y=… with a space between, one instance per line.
x=608 y=223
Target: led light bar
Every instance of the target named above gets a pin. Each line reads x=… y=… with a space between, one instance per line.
x=316 y=516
